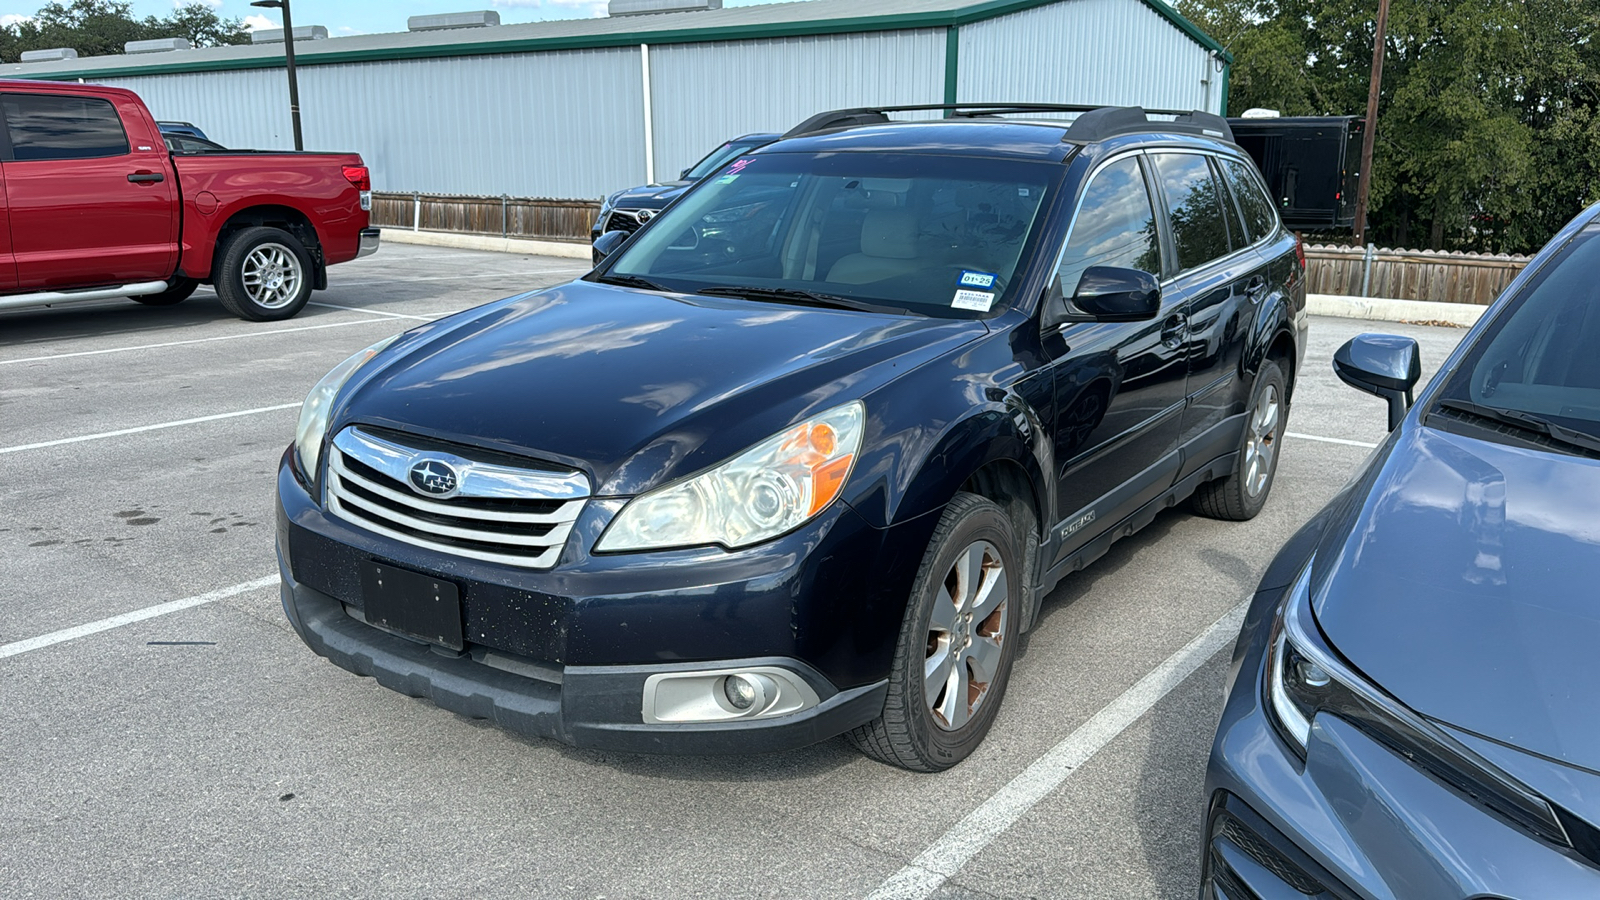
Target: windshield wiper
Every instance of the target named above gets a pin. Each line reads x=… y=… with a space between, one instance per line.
x=802 y=297
x=632 y=281
x=1527 y=422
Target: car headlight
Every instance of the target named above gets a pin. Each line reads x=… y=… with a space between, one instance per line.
x=763 y=492
x=1305 y=677
x=313 y=425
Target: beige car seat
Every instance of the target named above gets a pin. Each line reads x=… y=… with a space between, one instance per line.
x=888 y=249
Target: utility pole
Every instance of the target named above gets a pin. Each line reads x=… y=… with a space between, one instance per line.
x=288 y=56
x=1364 y=189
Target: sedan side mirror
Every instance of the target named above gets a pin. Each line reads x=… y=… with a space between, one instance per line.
x=684 y=175
x=607 y=244
x=1386 y=365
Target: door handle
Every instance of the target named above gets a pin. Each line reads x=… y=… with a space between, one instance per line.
x=146 y=177
x=1172 y=331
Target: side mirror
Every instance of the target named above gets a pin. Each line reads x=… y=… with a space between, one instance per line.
x=684 y=175
x=1110 y=294
x=1386 y=365
x=607 y=244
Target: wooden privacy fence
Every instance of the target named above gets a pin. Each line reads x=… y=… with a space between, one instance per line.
x=1451 y=277
x=517 y=217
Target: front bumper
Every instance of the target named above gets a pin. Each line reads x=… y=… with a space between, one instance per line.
x=565 y=653
x=1355 y=819
x=369 y=242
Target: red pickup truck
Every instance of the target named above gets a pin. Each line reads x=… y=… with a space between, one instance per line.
x=97 y=207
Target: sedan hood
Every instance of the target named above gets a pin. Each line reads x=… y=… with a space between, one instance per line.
x=634 y=387
x=650 y=196
x=1468 y=587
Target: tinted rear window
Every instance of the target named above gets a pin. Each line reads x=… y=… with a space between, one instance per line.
x=1258 y=213
x=56 y=127
x=1194 y=208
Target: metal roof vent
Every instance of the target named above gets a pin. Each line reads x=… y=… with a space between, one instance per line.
x=446 y=21
x=159 y=45
x=645 y=7
x=301 y=33
x=49 y=55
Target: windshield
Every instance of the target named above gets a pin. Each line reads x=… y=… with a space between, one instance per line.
x=1542 y=356
x=940 y=236
x=715 y=159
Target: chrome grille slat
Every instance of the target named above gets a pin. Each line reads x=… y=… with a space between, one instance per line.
x=566 y=513
x=363 y=498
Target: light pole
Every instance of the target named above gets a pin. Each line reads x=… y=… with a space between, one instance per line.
x=288 y=55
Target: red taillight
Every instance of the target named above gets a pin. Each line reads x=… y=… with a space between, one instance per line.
x=1300 y=250
x=358 y=176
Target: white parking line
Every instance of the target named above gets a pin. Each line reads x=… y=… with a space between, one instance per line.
x=968 y=837
x=1329 y=440
x=373 y=312
x=128 y=618
x=157 y=427
x=225 y=337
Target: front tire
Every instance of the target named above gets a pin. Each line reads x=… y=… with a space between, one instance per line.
x=176 y=292
x=263 y=274
x=1241 y=495
x=957 y=642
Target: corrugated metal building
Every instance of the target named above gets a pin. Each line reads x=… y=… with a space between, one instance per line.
x=561 y=109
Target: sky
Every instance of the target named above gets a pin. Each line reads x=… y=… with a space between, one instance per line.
x=342 y=17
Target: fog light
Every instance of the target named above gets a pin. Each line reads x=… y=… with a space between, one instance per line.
x=743 y=691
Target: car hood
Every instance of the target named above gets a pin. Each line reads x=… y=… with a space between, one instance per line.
x=650 y=196
x=1467 y=585
x=634 y=387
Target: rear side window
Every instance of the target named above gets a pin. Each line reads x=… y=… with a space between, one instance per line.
x=1230 y=212
x=1194 y=208
x=45 y=126
x=1116 y=226
x=1258 y=214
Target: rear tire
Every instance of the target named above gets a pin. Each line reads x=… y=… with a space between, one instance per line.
x=1241 y=495
x=957 y=642
x=177 y=292
x=263 y=274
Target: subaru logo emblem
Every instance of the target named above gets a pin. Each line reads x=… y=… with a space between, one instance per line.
x=434 y=477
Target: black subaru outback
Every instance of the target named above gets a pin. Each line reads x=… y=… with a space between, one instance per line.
x=802 y=456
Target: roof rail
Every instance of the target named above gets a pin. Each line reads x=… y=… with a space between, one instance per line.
x=1094 y=123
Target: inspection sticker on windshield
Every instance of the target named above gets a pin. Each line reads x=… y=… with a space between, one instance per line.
x=977 y=301
x=727 y=179
x=970 y=278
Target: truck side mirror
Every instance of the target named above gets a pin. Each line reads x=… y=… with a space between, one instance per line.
x=607 y=244
x=1386 y=365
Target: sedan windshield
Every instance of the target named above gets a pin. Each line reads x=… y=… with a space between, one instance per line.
x=1540 y=359
x=933 y=235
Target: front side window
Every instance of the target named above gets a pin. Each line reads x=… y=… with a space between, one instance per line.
x=1193 y=207
x=1539 y=357
x=1115 y=226
x=929 y=235
x=1259 y=216
x=44 y=126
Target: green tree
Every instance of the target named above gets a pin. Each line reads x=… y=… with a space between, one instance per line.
x=101 y=27
x=1487 y=122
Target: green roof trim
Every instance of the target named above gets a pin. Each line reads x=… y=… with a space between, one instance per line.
x=307 y=54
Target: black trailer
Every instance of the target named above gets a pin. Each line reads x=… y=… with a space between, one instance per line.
x=1311 y=164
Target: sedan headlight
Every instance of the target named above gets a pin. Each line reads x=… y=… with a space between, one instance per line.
x=763 y=492
x=314 y=411
x=1305 y=677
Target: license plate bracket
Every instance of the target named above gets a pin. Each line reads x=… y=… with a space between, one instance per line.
x=412 y=604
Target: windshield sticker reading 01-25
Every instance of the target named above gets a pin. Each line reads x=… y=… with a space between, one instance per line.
x=970 y=278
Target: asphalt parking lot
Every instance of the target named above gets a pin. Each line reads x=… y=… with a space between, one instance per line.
x=205 y=752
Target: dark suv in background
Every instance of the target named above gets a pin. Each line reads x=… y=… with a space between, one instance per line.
x=803 y=455
x=626 y=210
